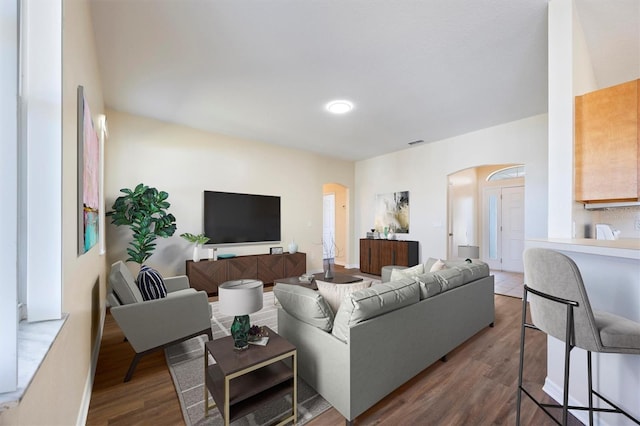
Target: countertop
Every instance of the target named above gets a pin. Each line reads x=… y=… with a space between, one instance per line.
x=628 y=248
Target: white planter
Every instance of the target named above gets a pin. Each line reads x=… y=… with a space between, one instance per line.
x=293 y=247
x=196 y=253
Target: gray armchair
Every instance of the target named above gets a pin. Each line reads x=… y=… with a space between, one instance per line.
x=154 y=324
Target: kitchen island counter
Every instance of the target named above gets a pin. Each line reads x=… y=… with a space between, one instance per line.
x=610 y=270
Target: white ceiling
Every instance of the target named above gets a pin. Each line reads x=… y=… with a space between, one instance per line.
x=263 y=70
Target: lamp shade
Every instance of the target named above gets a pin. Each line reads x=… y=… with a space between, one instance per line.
x=240 y=297
x=469 y=252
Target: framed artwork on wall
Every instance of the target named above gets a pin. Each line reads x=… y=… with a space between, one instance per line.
x=88 y=177
x=392 y=212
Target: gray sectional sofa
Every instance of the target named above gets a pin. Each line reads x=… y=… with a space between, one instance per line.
x=384 y=335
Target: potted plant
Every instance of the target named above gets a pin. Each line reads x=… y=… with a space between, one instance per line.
x=198 y=241
x=144 y=211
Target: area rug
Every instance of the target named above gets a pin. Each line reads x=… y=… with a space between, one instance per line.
x=186 y=367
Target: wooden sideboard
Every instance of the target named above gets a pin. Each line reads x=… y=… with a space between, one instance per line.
x=374 y=254
x=208 y=274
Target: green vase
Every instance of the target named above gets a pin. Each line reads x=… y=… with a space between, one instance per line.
x=240 y=332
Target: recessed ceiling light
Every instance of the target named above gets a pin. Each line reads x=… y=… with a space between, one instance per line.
x=339 y=107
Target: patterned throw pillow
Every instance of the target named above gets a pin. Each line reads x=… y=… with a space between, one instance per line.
x=151 y=284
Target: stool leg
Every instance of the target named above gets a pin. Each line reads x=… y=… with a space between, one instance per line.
x=590 y=380
x=567 y=358
x=522 y=332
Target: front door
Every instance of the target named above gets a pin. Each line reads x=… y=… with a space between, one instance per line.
x=504 y=228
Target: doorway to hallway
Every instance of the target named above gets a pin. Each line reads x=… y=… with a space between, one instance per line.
x=335 y=222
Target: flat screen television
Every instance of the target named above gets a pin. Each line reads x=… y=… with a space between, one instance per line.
x=232 y=218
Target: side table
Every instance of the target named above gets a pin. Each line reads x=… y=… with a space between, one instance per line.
x=242 y=381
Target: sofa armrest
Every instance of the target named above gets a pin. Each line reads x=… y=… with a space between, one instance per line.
x=153 y=323
x=179 y=282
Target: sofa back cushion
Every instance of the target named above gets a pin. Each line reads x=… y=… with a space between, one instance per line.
x=455 y=275
x=372 y=302
x=123 y=284
x=334 y=293
x=305 y=304
x=471 y=271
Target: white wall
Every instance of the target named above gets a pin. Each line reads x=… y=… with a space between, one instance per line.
x=423 y=170
x=184 y=162
x=561 y=105
x=465 y=210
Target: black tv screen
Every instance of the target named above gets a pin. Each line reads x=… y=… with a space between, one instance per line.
x=230 y=217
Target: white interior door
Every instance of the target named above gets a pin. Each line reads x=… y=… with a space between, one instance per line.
x=328 y=225
x=503 y=241
x=512 y=228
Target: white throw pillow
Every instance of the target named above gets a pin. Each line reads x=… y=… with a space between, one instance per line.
x=439 y=265
x=334 y=294
x=398 y=274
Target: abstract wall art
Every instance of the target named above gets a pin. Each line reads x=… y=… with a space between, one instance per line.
x=392 y=212
x=88 y=174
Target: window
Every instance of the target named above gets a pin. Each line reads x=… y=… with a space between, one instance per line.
x=31 y=172
x=512 y=172
x=8 y=195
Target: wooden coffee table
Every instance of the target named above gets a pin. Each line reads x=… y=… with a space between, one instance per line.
x=337 y=279
x=242 y=381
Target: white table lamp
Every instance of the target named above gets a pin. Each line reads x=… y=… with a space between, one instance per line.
x=469 y=252
x=240 y=298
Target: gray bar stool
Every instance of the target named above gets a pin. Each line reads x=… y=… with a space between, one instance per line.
x=560 y=308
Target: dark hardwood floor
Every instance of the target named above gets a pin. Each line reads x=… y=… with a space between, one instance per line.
x=476 y=386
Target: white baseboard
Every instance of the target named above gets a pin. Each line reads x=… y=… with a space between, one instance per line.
x=555 y=392
x=88 y=386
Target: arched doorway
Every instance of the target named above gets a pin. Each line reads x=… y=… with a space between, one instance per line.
x=486 y=210
x=335 y=222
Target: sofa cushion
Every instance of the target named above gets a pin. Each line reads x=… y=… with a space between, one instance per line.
x=471 y=271
x=373 y=301
x=123 y=284
x=397 y=274
x=449 y=278
x=305 y=304
x=151 y=284
x=455 y=275
x=334 y=293
x=429 y=285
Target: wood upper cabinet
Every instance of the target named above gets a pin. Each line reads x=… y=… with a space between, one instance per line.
x=607 y=144
x=374 y=254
